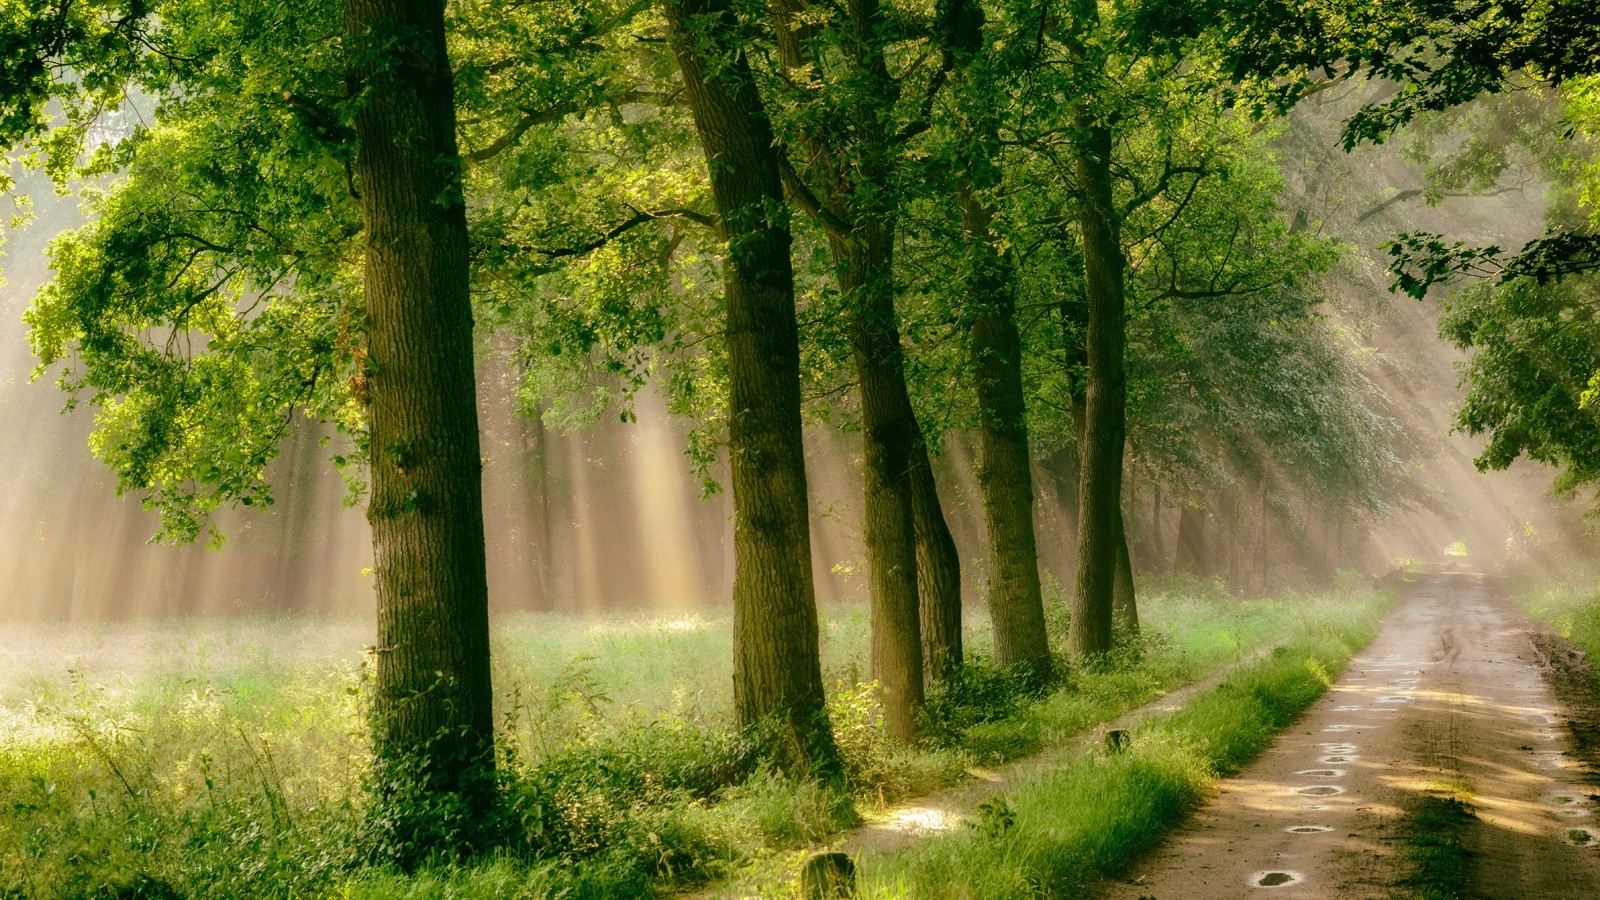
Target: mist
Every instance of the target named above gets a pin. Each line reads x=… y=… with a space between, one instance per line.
x=612 y=518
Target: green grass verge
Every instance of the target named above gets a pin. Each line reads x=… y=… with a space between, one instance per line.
x=1056 y=834
x=1573 y=609
x=193 y=759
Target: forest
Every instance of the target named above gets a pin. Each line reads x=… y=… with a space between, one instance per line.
x=981 y=370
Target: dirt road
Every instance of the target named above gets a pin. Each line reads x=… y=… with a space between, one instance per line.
x=1448 y=699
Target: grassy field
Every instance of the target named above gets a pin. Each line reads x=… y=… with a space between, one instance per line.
x=199 y=759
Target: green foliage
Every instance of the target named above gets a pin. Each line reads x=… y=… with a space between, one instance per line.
x=1534 y=352
x=1573 y=609
x=213 y=292
x=976 y=693
x=239 y=762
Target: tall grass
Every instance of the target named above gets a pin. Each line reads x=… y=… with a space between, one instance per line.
x=190 y=759
x=1058 y=833
x=1572 y=608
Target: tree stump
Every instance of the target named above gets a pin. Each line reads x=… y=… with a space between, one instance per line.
x=827 y=875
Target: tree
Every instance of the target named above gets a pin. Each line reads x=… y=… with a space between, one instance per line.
x=776 y=668
x=1441 y=56
x=434 y=729
x=855 y=201
x=215 y=290
x=1527 y=322
x=1005 y=473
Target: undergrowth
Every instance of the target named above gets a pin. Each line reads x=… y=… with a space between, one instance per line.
x=1056 y=834
x=1572 y=609
x=175 y=762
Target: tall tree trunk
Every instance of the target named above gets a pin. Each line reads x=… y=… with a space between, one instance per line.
x=1005 y=474
x=777 y=672
x=433 y=725
x=857 y=194
x=889 y=431
x=1265 y=537
x=938 y=572
x=1158 y=548
x=1105 y=403
x=1191 y=552
x=1062 y=468
x=1124 y=599
x=536 y=467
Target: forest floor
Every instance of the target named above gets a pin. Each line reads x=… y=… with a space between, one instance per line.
x=1442 y=761
x=899 y=826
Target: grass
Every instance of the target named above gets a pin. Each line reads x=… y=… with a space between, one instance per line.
x=191 y=759
x=1057 y=834
x=1572 y=608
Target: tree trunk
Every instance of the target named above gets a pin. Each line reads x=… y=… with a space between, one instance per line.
x=777 y=673
x=1100 y=481
x=888 y=431
x=857 y=193
x=1124 y=600
x=1158 y=548
x=1062 y=468
x=1005 y=474
x=433 y=725
x=536 y=466
x=1191 y=553
x=938 y=572
x=1265 y=537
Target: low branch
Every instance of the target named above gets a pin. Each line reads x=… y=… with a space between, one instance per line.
x=1417 y=192
x=795 y=187
x=638 y=218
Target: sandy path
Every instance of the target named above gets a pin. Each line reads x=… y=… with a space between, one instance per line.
x=1448 y=694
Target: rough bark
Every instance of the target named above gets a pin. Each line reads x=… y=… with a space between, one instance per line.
x=856 y=193
x=777 y=673
x=938 y=572
x=1105 y=401
x=889 y=432
x=1005 y=473
x=433 y=723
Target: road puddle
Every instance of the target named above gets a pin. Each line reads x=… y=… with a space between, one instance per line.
x=1275 y=879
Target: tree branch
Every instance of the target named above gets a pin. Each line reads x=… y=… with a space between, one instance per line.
x=801 y=195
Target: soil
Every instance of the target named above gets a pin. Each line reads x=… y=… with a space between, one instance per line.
x=1457 y=696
